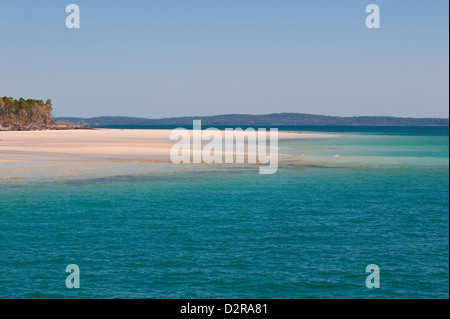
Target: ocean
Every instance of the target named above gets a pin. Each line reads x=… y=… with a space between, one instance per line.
x=370 y=195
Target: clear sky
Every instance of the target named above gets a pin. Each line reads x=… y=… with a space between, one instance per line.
x=190 y=57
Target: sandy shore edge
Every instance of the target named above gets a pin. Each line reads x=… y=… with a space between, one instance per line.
x=107 y=142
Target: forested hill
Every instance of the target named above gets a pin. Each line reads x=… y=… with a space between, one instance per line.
x=23 y=111
x=29 y=115
x=269 y=119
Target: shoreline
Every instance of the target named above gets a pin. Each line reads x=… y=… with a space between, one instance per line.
x=14 y=127
x=98 y=152
x=110 y=142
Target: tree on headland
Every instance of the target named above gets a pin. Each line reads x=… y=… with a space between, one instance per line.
x=23 y=111
x=30 y=114
x=2 y=110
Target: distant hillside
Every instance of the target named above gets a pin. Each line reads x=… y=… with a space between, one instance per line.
x=268 y=119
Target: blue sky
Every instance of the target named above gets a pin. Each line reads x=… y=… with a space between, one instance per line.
x=175 y=58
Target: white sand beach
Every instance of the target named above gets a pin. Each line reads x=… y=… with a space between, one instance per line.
x=108 y=142
x=67 y=152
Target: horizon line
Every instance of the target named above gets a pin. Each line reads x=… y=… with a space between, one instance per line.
x=248 y=114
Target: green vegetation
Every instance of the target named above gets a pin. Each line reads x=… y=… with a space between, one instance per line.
x=36 y=114
x=23 y=111
x=29 y=115
x=268 y=119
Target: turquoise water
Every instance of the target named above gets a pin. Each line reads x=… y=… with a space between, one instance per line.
x=308 y=231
